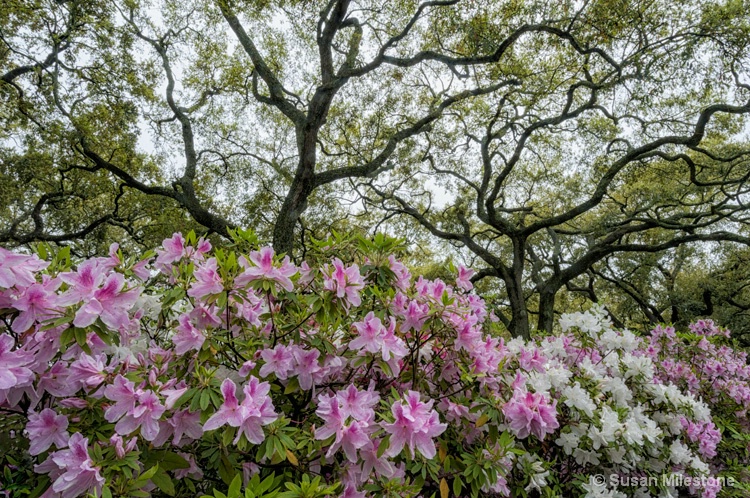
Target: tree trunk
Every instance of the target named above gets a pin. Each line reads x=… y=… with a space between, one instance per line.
x=302 y=186
x=546 y=308
x=519 y=323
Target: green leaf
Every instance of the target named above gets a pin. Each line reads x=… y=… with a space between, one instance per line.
x=148 y=474
x=292 y=386
x=234 y=487
x=168 y=460
x=385 y=443
x=226 y=470
x=80 y=335
x=227 y=436
x=266 y=484
x=205 y=399
x=162 y=481
x=457 y=486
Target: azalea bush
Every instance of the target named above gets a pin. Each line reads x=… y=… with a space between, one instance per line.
x=234 y=372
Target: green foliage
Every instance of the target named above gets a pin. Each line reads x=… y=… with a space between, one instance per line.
x=255 y=488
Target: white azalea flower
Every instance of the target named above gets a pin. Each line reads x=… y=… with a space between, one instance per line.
x=558 y=376
x=679 y=453
x=619 y=391
x=569 y=442
x=585 y=457
x=578 y=398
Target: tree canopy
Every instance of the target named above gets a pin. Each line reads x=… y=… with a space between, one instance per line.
x=566 y=146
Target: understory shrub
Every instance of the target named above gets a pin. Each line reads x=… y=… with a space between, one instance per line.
x=234 y=372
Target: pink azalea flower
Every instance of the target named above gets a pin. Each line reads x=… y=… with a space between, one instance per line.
x=250 y=308
x=202 y=247
x=392 y=346
x=82 y=283
x=346 y=283
x=357 y=404
x=306 y=366
x=403 y=277
x=398 y=304
x=173 y=250
x=415 y=425
x=45 y=429
x=193 y=471
x=120 y=449
x=705 y=433
x=172 y=392
x=415 y=316
x=353 y=437
x=454 y=412
x=373 y=337
x=468 y=333
x=140 y=270
x=265 y=269
x=306 y=273
x=432 y=289
x=350 y=491
x=55 y=381
x=532 y=360
x=488 y=354
x=14 y=371
x=72 y=470
x=246 y=368
x=204 y=317
x=145 y=415
x=207 y=280
x=230 y=412
x=371 y=461
x=186 y=423
x=277 y=361
x=531 y=413
x=255 y=411
x=123 y=393
x=37 y=303
x=187 y=337
x=88 y=371
x=463 y=281
x=76 y=403
x=109 y=304
x=19 y=270
x=113 y=260
x=370 y=334
x=349 y=436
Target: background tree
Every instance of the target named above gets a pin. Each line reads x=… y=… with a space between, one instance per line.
x=678 y=286
x=625 y=134
x=266 y=105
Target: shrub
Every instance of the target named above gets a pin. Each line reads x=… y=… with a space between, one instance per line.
x=199 y=370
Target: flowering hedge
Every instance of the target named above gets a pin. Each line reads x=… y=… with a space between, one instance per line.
x=205 y=371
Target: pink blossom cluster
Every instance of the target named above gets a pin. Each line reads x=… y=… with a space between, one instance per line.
x=264 y=268
x=286 y=361
x=249 y=415
x=415 y=426
x=531 y=413
x=349 y=416
x=345 y=282
x=72 y=471
x=373 y=337
x=704 y=367
x=705 y=434
x=175 y=249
